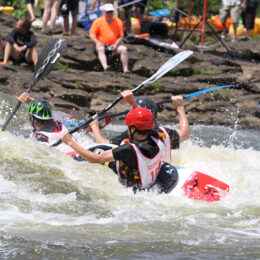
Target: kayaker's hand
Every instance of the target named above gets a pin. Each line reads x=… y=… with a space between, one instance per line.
x=177 y=101
x=24 y=98
x=94 y=124
x=66 y=138
x=128 y=97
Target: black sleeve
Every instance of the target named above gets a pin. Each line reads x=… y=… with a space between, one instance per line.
x=118 y=139
x=32 y=41
x=11 y=36
x=174 y=137
x=126 y=154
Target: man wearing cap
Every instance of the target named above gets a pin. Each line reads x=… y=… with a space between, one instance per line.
x=107 y=33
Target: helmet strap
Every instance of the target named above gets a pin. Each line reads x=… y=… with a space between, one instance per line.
x=132 y=134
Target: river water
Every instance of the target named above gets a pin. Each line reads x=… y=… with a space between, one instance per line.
x=52 y=207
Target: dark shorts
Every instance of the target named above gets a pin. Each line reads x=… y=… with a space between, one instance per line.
x=248 y=17
x=30 y=2
x=73 y=7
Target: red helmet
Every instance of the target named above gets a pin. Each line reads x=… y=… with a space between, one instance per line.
x=140 y=117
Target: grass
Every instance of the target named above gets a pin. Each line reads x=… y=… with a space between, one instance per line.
x=60 y=66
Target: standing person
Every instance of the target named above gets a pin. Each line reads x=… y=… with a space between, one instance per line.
x=73 y=7
x=139 y=9
x=171 y=137
x=29 y=5
x=51 y=9
x=232 y=8
x=248 y=15
x=138 y=158
x=107 y=33
x=126 y=17
x=21 y=43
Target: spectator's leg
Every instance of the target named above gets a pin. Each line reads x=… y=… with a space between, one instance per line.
x=9 y=51
x=30 y=12
x=31 y=55
x=54 y=12
x=122 y=50
x=74 y=24
x=46 y=14
x=102 y=56
x=66 y=27
x=1 y=47
x=235 y=12
x=223 y=15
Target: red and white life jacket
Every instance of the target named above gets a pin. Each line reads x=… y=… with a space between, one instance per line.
x=49 y=137
x=148 y=168
x=167 y=156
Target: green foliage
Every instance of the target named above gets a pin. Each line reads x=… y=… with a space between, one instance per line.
x=78 y=85
x=20 y=10
x=60 y=66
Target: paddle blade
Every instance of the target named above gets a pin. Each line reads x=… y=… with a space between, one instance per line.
x=48 y=57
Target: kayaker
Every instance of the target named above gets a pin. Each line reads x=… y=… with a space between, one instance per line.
x=46 y=129
x=172 y=138
x=138 y=157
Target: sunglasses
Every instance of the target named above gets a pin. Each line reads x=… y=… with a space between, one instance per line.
x=109 y=12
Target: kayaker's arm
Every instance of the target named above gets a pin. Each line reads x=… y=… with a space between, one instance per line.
x=101 y=158
x=99 y=139
x=25 y=98
x=184 y=130
x=128 y=98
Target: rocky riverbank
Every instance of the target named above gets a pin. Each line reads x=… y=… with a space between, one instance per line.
x=78 y=85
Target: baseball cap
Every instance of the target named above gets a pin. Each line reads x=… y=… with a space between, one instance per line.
x=108 y=7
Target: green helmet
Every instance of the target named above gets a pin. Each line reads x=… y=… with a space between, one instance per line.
x=40 y=108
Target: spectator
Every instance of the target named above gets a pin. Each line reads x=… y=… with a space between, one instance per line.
x=73 y=7
x=139 y=9
x=232 y=8
x=248 y=15
x=21 y=44
x=1 y=48
x=107 y=33
x=51 y=8
x=29 y=5
x=127 y=15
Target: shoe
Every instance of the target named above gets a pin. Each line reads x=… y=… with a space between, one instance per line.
x=127 y=72
x=3 y=63
x=234 y=40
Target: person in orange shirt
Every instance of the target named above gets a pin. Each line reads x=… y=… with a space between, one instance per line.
x=107 y=33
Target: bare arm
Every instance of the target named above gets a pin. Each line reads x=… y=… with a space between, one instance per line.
x=184 y=130
x=99 y=139
x=103 y=157
x=128 y=98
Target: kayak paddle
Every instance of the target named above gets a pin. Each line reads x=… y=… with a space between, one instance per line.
x=194 y=94
x=170 y=64
x=48 y=57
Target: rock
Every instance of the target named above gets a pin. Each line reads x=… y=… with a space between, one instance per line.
x=78 y=84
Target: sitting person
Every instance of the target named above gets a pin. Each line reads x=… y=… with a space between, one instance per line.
x=172 y=138
x=138 y=158
x=107 y=33
x=46 y=129
x=20 y=44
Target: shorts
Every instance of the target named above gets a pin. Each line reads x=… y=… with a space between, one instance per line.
x=233 y=11
x=248 y=17
x=73 y=7
x=30 y=2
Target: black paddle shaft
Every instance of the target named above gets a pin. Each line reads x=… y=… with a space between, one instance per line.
x=48 y=57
